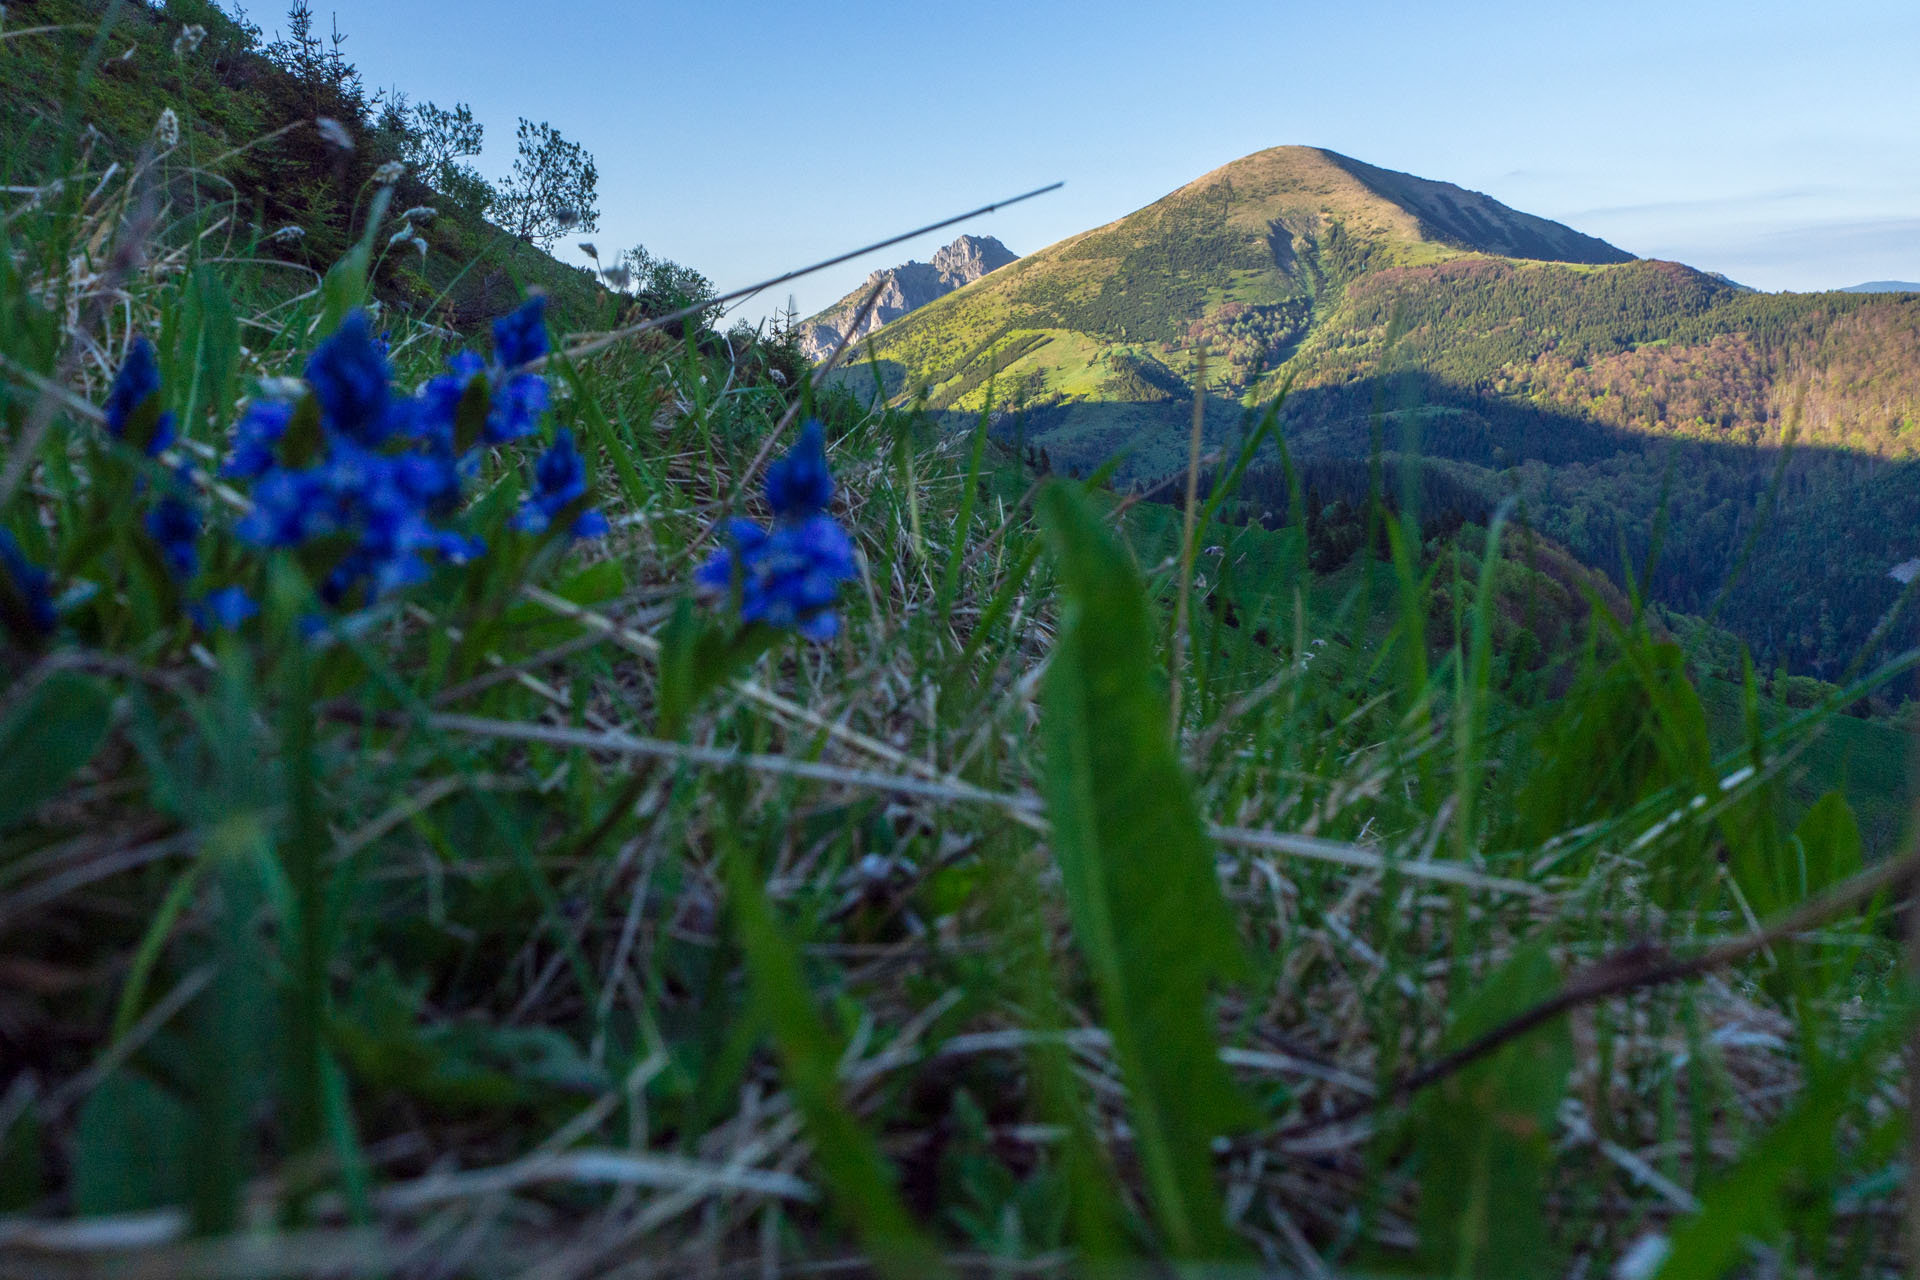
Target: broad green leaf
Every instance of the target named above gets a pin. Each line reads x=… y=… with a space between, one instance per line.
x=47 y=737
x=300 y=444
x=130 y=1149
x=470 y=415
x=22 y=1167
x=1485 y=1135
x=345 y=286
x=219 y=343
x=1139 y=876
x=144 y=422
x=1827 y=843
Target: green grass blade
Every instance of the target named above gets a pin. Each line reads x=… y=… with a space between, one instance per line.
x=862 y=1184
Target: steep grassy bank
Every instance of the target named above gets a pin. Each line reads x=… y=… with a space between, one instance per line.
x=244 y=164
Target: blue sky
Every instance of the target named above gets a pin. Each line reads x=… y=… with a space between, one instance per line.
x=1778 y=143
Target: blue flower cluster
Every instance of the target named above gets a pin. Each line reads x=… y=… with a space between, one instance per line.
x=223 y=610
x=362 y=475
x=174 y=524
x=788 y=575
x=384 y=470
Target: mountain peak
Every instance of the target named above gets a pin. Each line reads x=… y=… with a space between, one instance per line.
x=970 y=257
x=1387 y=204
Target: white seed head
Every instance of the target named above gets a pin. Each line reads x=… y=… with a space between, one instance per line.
x=189 y=39
x=618 y=277
x=421 y=245
x=586 y=247
x=389 y=173
x=284 y=389
x=1643 y=1257
x=334 y=132
x=166 y=131
x=286 y=234
x=420 y=213
x=404 y=234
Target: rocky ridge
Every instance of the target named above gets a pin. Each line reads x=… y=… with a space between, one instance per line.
x=905 y=288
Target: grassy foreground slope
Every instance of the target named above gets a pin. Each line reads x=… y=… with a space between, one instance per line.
x=538 y=915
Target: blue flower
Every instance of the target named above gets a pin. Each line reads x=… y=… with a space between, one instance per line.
x=24 y=596
x=349 y=377
x=432 y=479
x=382 y=500
x=136 y=382
x=439 y=399
x=255 y=437
x=521 y=337
x=517 y=406
x=223 y=610
x=515 y=400
x=559 y=482
x=175 y=526
x=799 y=485
x=289 y=507
x=789 y=575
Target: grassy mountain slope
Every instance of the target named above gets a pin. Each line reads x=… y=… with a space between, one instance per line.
x=1237 y=258
x=1598 y=387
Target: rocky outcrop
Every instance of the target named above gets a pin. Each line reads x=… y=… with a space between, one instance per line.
x=903 y=288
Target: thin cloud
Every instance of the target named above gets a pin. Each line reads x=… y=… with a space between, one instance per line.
x=1709 y=204
x=1871 y=237
x=1808 y=254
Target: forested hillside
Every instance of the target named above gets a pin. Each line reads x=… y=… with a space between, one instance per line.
x=1764 y=445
